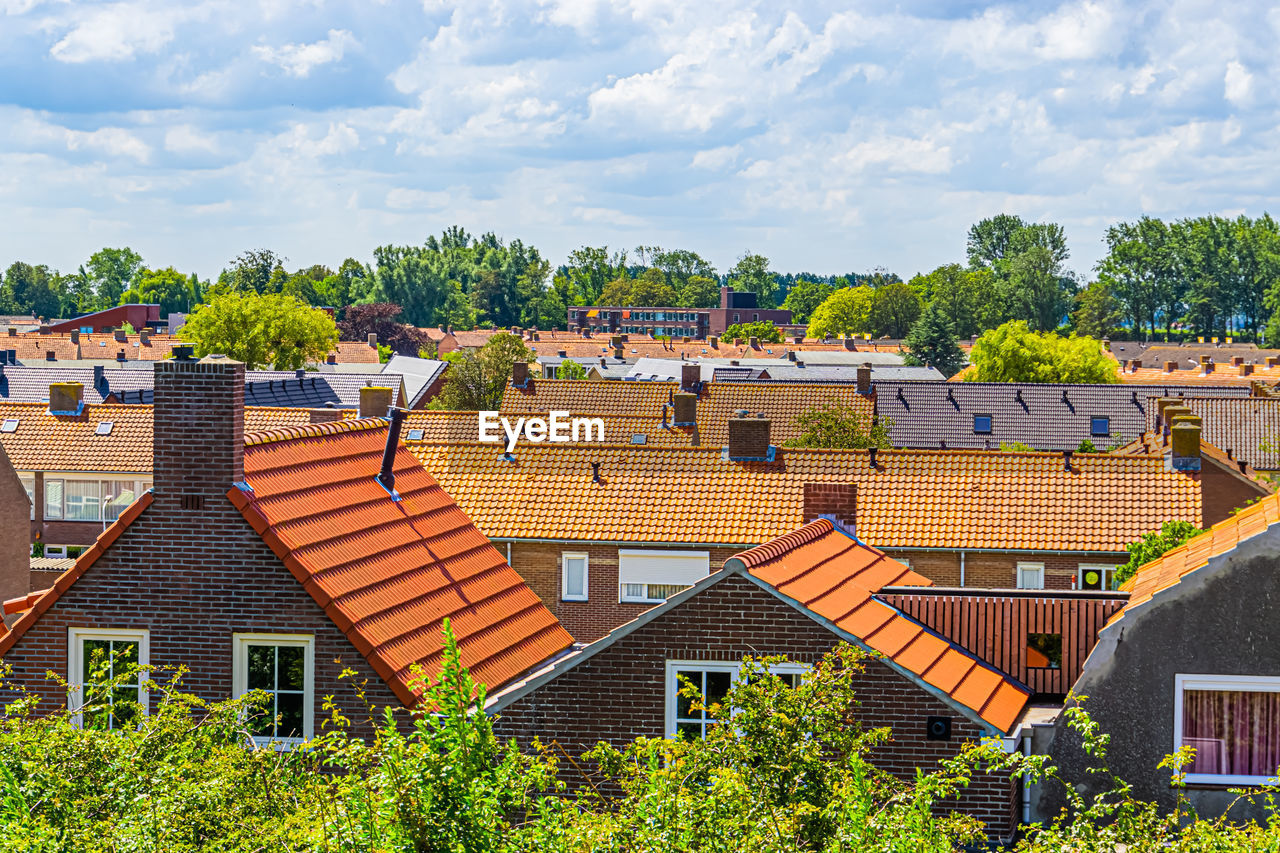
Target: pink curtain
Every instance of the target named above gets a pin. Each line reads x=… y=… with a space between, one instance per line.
x=1234 y=732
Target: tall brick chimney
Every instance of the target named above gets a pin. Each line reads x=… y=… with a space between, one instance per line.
x=375 y=401
x=864 y=378
x=66 y=398
x=198 y=437
x=690 y=378
x=837 y=502
x=748 y=437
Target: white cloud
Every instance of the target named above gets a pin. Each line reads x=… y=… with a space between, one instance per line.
x=1237 y=83
x=298 y=60
x=120 y=31
x=717 y=158
x=187 y=138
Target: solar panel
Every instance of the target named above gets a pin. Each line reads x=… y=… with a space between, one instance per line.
x=415 y=435
x=104 y=428
x=9 y=425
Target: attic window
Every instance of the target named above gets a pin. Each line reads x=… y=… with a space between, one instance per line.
x=415 y=435
x=104 y=428
x=982 y=424
x=1100 y=426
x=9 y=425
x=639 y=438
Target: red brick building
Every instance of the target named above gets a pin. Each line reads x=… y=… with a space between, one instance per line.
x=296 y=551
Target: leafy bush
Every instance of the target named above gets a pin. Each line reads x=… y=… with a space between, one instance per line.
x=1014 y=353
x=1154 y=544
x=835 y=425
x=763 y=329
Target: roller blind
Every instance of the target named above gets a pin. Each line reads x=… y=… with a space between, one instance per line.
x=683 y=568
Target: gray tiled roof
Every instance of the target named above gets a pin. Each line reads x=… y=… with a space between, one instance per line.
x=1238 y=426
x=1045 y=417
x=31 y=384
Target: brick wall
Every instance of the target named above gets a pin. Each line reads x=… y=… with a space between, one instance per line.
x=15 y=547
x=838 y=501
x=539 y=564
x=619 y=693
x=1000 y=571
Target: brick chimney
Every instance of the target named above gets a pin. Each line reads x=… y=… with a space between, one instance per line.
x=13 y=332
x=1244 y=369
x=373 y=339
x=120 y=336
x=1206 y=364
x=748 y=437
x=864 y=379
x=1237 y=360
x=520 y=374
x=753 y=342
x=66 y=398
x=690 y=378
x=686 y=409
x=850 y=344
x=374 y=401
x=75 y=336
x=1273 y=360
x=50 y=355
x=836 y=502
x=1170 y=366
x=323 y=416
x=198 y=437
x=1184 y=452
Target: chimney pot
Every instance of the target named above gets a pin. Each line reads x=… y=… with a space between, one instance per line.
x=75 y=336
x=374 y=401
x=99 y=376
x=50 y=355
x=1170 y=366
x=1237 y=360
x=13 y=332
x=754 y=342
x=120 y=356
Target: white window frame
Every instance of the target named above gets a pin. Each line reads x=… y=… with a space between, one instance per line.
x=1108 y=573
x=29 y=483
x=75 y=663
x=240 y=680
x=1253 y=683
x=134 y=483
x=1037 y=567
x=672 y=686
x=564 y=575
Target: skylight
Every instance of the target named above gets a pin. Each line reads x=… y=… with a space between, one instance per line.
x=9 y=425
x=104 y=428
x=639 y=438
x=415 y=435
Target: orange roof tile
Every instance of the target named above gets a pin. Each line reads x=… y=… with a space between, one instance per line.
x=447 y=426
x=781 y=402
x=1169 y=569
x=45 y=442
x=268 y=417
x=827 y=573
x=389 y=572
x=912 y=499
x=356 y=352
x=599 y=396
x=1222 y=374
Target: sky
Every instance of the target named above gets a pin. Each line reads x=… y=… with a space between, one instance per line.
x=830 y=137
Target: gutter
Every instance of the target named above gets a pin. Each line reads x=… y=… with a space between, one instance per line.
x=749 y=545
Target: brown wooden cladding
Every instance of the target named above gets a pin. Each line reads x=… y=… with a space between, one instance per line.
x=995 y=627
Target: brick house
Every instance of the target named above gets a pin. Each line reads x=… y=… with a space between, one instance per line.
x=798 y=596
x=303 y=550
x=602 y=532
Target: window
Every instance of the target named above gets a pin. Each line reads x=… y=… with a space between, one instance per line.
x=1233 y=722
x=95 y=658
x=982 y=424
x=29 y=483
x=104 y=428
x=1044 y=650
x=1030 y=575
x=713 y=681
x=737 y=319
x=1096 y=577
x=649 y=577
x=755 y=318
x=90 y=500
x=9 y=425
x=280 y=665
x=53 y=499
x=81 y=500
x=573 y=577
x=1100 y=426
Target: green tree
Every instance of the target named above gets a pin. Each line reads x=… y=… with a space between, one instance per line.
x=1014 y=353
x=35 y=289
x=764 y=330
x=257 y=270
x=476 y=380
x=1155 y=544
x=751 y=272
x=932 y=343
x=804 y=298
x=617 y=293
x=112 y=272
x=680 y=265
x=989 y=240
x=650 y=290
x=699 y=291
x=835 y=425
x=894 y=308
x=845 y=312
x=570 y=369
x=272 y=329
x=967 y=297
x=167 y=288
x=1098 y=312
x=590 y=269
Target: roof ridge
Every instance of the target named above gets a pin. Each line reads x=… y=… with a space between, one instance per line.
x=288 y=433
x=788 y=541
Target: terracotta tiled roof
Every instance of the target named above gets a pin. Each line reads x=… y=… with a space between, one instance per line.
x=589 y=395
x=356 y=352
x=780 y=401
x=835 y=577
x=1169 y=569
x=1222 y=374
x=106 y=346
x=912 y=499
x=389 y=572
x=45 y=442
x=474 y=339
x=35 y=347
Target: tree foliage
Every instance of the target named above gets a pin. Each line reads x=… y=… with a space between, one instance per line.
x=382 y=319
x=845 y=312
x=804 y=297
x=763 y=330
x=894 y=309
x=1014 y=353
x=262 y=330
x=932 y=343
x=751 y=273
x=835 y=425
x=1155 y=544
x=475 y=381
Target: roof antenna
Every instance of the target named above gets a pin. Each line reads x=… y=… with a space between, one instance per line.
x=387 y=476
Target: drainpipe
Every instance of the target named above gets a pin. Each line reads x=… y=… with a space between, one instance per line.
x=1026 y=779
x=508 y=552
x=962 y=568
